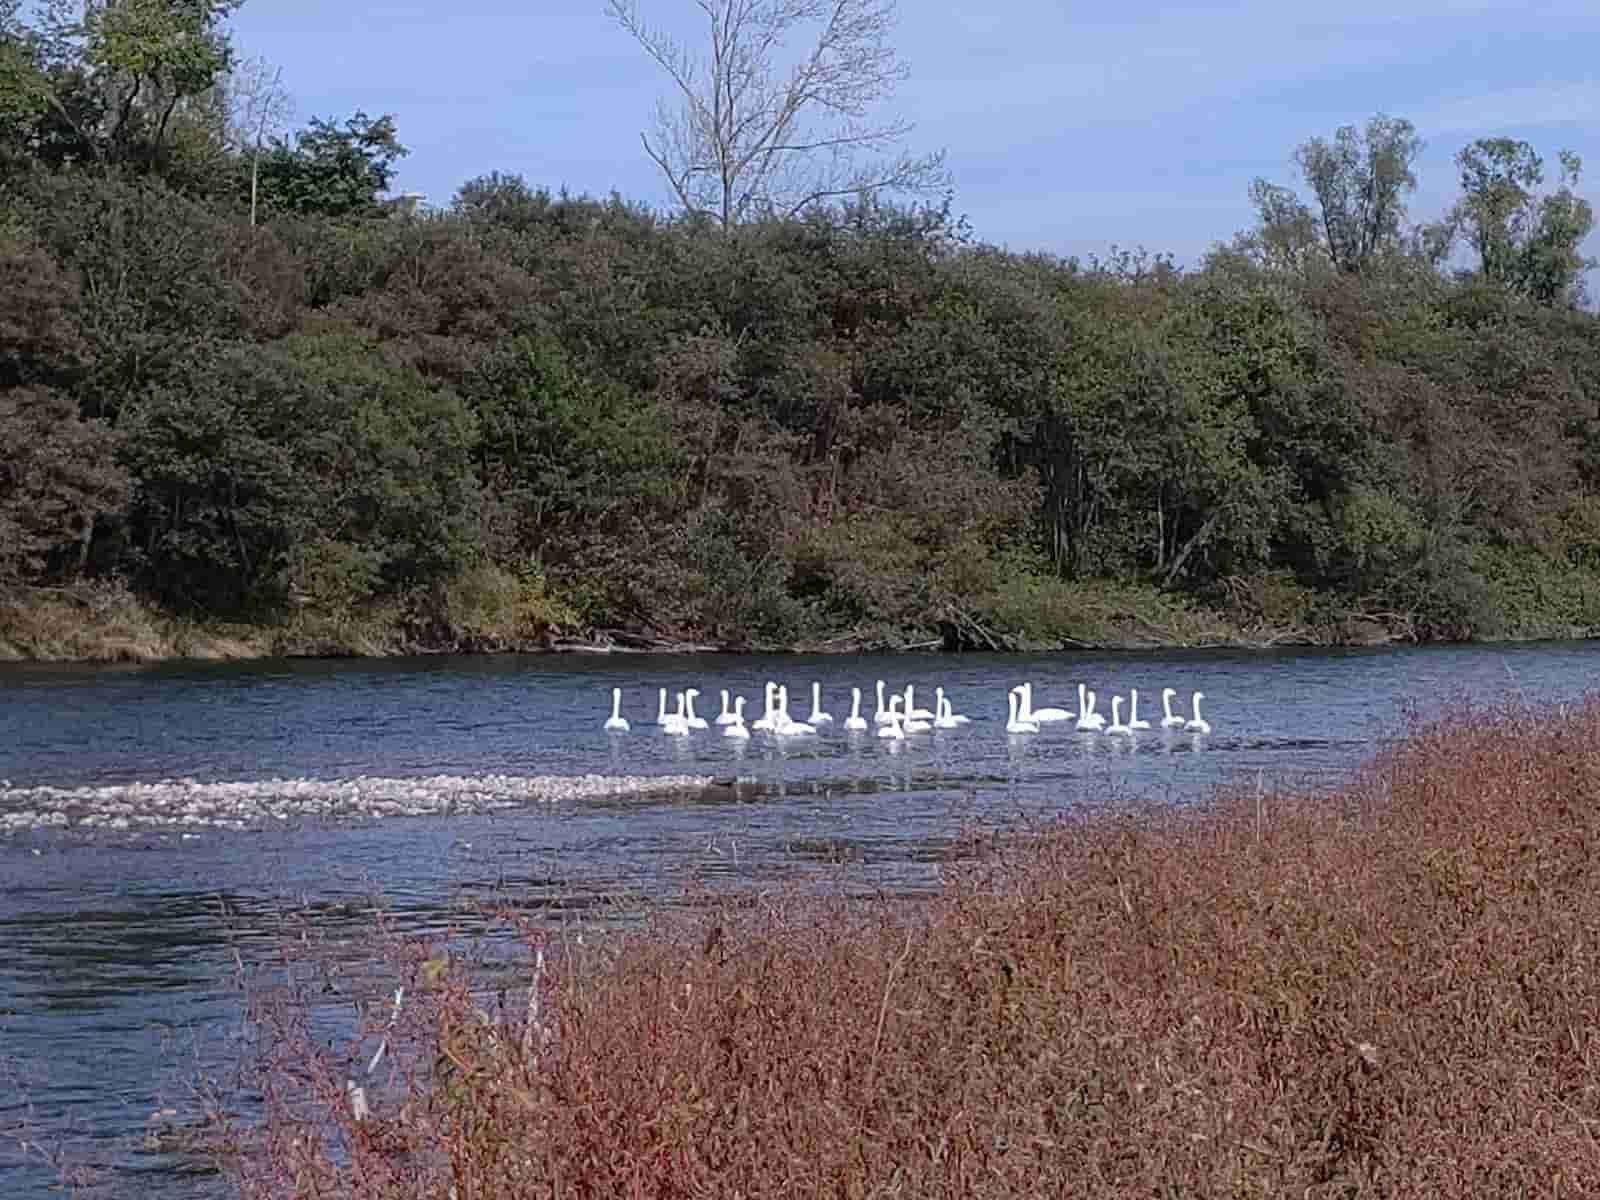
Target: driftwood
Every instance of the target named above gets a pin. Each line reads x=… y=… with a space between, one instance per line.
x=962 y=631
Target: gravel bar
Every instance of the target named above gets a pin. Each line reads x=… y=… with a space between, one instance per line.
x=191 y=804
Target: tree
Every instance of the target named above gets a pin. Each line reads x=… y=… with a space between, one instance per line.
x=1524 y=243
x=258 y=107
x=745 y=140
x=332 y=171
x=1360 y=180
x=102 y=81
x=1286 y=234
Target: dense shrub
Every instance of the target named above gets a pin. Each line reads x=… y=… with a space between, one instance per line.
x=1390 y=991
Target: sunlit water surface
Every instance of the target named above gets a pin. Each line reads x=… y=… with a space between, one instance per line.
x=116 y=985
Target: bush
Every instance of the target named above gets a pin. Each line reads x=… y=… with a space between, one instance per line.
x=1388 y=992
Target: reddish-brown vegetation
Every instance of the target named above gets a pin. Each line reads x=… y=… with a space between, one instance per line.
x=1393 y=992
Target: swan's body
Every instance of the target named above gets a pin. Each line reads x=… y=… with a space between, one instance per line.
x=1171 y=720
x=914 y=723
x=768 y=719
x=891 y=726
x=727 y=716
x=882 y=715
x=1088 y=719
x=818 y=717
x=1116 y=725
x=616 y=723
x=1014 y=722
x=784 y=723
x=694 y=721
x=913 y=713
x=1197 y=723
x=662 y=716
x=1041 y=715
x=855 y=721
x=677 y=724
x=948 y=718
x=736 y=727
x=1133 y=713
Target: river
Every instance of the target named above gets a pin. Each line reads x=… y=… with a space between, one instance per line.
x=121 y=946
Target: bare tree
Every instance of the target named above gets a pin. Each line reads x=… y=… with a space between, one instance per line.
x=744 y=136
x=258 y=106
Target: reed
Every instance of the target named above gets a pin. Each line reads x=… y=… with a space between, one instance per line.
x=1393 y=991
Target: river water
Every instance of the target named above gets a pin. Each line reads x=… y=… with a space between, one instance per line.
x=121 y=947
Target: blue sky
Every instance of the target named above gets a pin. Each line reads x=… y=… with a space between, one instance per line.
x=1069 y=127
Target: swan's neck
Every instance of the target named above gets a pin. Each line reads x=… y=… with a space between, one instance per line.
x=1116 y=710
x=616 y=703
x=855 y=702
x=1195 y=704
x=1166 y=705
x=661 y=706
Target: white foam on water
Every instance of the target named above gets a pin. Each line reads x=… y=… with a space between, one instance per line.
x=242 y=804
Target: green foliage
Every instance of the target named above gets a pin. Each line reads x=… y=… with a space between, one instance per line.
x=542 y=413
x=1524 y=243
x=332 y=171
x=308 y=466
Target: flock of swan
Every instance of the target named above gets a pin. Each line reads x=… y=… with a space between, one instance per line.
x=901 y=716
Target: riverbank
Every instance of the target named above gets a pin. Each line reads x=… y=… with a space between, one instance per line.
x=106 y=622
x=1390 y=991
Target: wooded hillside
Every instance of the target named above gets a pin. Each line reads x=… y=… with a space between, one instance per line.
x=533 y=416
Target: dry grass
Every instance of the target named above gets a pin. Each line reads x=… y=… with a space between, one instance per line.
x=1393 y=993
x=104 y=622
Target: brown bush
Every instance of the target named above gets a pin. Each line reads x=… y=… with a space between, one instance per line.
x=1390 y=992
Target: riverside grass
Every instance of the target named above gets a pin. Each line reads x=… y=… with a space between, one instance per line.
x=1393 y=991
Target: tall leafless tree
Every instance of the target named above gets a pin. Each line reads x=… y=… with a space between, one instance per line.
x=755 y=127
x=258 y=106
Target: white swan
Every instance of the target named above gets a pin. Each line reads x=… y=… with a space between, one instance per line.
x=1088 y=719
x=891 y=728
x=677 y=723
x=1133 y=713
x=736 y=728
x=1041 y=715
x=855 y=721
x=768 y=719
x=818 y=717
x=1116 y=725
x=915 y=723
x=784 y=724
x=1196 y=723
x=913 y=713
x=727 y=716
x=1014 y=723
x=662 y=716
x=694 y=721
x=948 y=718
x=1021 y=693
x=616 y=723
x=1171 y=720
x=881 y=716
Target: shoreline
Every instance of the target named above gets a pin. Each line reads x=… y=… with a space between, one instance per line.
x=105 y=623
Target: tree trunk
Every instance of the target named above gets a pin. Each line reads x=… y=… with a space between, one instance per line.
x=1190 y=546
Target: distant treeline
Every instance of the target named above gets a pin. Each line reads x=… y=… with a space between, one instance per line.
x=235 y=378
